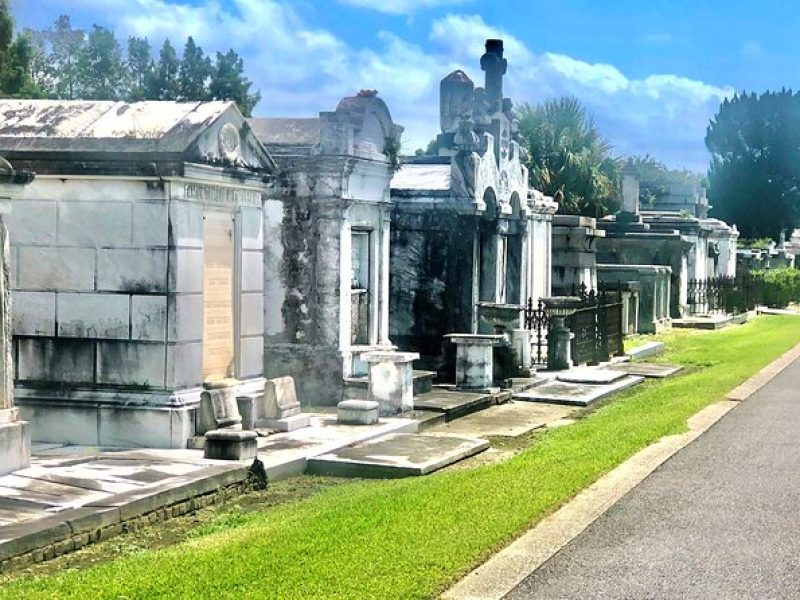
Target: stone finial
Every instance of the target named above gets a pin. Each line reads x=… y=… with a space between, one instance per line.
x=455 y=99
x=495 y=66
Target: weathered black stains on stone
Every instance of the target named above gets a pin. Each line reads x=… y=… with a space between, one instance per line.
x=296 y=269
x=431 y=283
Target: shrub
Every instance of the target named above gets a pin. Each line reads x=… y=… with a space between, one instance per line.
x=781 y=286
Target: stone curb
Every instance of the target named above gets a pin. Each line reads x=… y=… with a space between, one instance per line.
x=43 y=539
x=509 y=567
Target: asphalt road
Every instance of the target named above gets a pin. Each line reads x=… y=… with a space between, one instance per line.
x=720 y=519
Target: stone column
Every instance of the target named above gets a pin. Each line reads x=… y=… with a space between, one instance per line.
x=383 y=303
x=333 y=273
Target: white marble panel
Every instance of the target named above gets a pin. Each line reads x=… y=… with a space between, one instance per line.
x=132 y=270
x=51 y=268
x=94 y=223
x=92 y=315
x=33 y=313
x=148 y=317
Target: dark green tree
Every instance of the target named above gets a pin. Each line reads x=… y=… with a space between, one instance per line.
x=140 y=67
x=754 y=178
x=228 y=82
x=15 y=59
x=194 y=73
x=66 y=48
x=101 y=68
x=568 y=159
x=163 y=83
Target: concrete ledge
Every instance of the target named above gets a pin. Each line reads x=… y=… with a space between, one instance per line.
x=71 y=529
x=646 y=350
x=21 y=538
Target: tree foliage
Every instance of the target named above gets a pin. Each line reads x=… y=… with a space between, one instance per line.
x=568 y=159
x=63 y=62
x=229 y=83
x=102 y=72
x=16 y=55
x=754 y=178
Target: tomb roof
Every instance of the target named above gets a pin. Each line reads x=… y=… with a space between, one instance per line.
x=286 y=132
x=423 y=177
x=104 y=130
x=106 y=120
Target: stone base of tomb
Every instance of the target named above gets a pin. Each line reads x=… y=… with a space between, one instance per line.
x=110 y=418
x=291 y=423
x=15 y=441
x=230 y=444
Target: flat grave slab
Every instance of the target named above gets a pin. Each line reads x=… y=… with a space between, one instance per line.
x=709 y=321
x=593 y=375
x=505 y=420
x=658 y=371
x=452 y=403
x=577 y=394
x=398 y=455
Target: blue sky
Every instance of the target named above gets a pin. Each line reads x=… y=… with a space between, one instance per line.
x=652 y=72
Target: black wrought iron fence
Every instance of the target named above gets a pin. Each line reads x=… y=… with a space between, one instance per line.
x=596 y=325
x=731 y=295
x=538 y=323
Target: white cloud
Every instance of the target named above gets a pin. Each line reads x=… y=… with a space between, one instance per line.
x=401 y=7
x=302 y=70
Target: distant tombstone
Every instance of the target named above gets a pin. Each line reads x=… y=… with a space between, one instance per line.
x=280 y=408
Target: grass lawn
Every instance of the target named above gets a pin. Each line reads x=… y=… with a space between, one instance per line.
x=411 y=538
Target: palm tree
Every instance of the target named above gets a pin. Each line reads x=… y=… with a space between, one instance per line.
x=568 y=158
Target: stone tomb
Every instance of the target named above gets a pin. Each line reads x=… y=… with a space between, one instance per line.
x=138 y=265
x=15 y=434
x=280 y=408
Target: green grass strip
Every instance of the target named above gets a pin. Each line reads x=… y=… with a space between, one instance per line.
x=412 y=538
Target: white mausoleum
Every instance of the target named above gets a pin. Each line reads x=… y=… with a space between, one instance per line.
x=136 y=265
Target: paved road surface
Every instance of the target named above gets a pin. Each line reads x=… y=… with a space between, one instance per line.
x=721 y=519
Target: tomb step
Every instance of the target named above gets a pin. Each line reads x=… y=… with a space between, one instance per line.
x=397 y=455
x=427 y=419
x=423 y=381
x=356 y=388
x=452 y=403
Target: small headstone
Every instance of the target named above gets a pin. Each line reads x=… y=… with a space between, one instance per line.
x=280 y=409
x=218 y=408
x=357 y=412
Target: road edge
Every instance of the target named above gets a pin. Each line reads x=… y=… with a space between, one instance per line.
x=506 y=569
